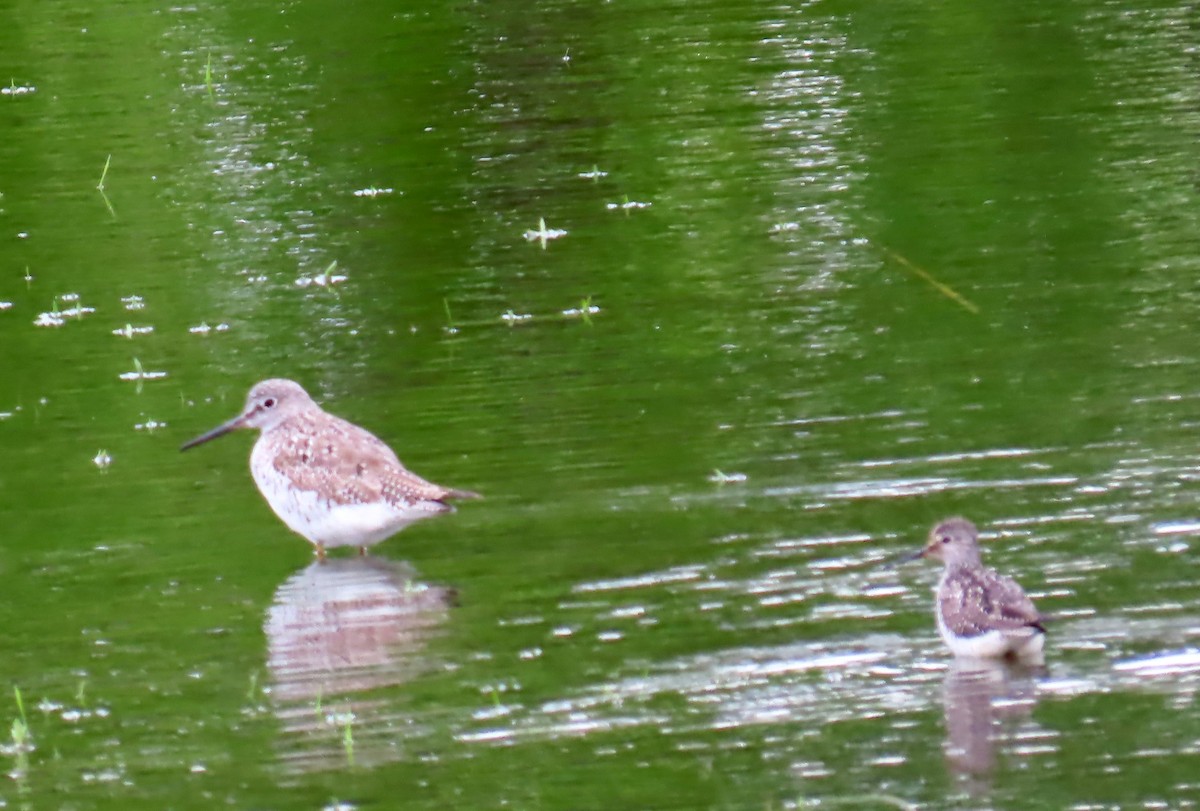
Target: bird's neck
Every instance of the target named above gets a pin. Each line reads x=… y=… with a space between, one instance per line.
x=964 y=562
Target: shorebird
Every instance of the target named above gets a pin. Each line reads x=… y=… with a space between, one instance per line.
x=330 y=481
x=980 y=614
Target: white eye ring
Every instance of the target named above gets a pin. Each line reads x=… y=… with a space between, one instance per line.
x=269 y=402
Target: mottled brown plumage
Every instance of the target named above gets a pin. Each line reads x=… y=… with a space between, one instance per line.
x=324 y=453
x=973 y=601
x=329 y=480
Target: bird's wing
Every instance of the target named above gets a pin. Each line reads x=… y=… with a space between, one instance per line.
x=974 y=601
x=350 y=464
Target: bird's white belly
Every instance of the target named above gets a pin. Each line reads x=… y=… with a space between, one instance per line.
x=1025 y=643
x=328 y=524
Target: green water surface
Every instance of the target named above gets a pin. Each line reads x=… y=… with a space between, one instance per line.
x=831 y=272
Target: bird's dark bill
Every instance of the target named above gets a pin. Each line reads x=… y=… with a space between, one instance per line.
x=906 y=558
x=220 y=430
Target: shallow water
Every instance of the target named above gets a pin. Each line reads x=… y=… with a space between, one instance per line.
x=829 y=274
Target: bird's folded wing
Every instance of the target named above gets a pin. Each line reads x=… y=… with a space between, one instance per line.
x=973 y=602
x=349 y=465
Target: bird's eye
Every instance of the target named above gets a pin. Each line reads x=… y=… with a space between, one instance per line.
x=945 y=539
x=269 y=402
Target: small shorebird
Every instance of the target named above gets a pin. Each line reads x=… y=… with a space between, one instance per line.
x=980 y=614
x=329 y=480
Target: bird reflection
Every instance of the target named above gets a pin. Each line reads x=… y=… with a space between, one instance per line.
x=982 y=699
x=337 y=629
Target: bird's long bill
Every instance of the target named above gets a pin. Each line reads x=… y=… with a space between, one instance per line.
x=220 y=430
x=905 y=558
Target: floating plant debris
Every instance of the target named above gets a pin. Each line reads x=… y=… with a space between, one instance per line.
x=204 y=329
x=50 y=319
x=581 y=310
x=720 y=477
x=139 y=374
x=142 y=375
x=627 y=205
x=544 y=234
x=326 y=278
x=129 y=330
x=56 y=317
x=320 y=280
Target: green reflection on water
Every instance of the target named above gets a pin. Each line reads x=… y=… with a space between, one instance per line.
x=630 y=633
